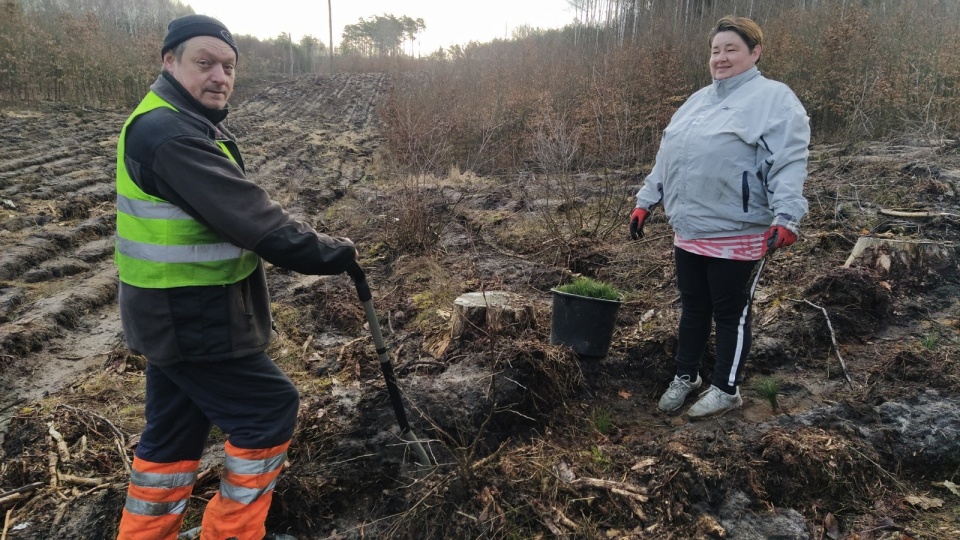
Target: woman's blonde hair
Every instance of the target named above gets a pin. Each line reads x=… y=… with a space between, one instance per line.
x=748 y=30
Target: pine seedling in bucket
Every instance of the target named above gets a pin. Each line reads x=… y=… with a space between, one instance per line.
x=585 y=316
x=591 y=288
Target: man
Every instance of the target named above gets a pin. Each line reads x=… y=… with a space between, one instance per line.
x=191 y=232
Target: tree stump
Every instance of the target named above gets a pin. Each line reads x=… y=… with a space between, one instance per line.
x=490 y=313
x=901 y=258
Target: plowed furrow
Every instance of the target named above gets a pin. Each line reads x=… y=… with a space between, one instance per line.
x=29 y=164
x=303 y=139
x=52 y=316
x=50 y=243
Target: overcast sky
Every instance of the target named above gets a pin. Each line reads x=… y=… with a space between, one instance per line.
x=448 y=22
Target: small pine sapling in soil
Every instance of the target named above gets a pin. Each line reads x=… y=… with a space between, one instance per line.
x=769 y=388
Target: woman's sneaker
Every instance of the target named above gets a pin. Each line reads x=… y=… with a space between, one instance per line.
x=677 y=393
x=713 y=402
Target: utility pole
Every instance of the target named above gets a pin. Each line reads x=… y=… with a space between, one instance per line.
x=330 y=18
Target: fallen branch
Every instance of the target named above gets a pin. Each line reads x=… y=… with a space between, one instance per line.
x=21 y=489
x=903 y=214
x=552 y=518
x=52 y=461
x=58 y=517
x=80 y=480
x=123 y=456
x=833 y=338
x=630 y=492
x=356 y=359
x=6 y=524
x=98 y=487
x=480 y=463
x=12 y=405
x=109 y=424
x=564 y=520
x=12 y=498
x=620 y=488
x=62 y=448
x=119 y=434
x=552 y=527
x=468 y=516
x=637 y=511
x=306 y=347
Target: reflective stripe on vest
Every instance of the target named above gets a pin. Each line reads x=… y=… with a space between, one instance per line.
x=160 y=246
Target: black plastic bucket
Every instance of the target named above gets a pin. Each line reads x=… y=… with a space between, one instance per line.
x=582 y=323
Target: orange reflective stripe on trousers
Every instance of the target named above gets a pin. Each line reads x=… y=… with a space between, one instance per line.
x=246 y=489
x=156 y=498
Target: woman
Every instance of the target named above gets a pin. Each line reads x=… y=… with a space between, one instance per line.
x=729 y=173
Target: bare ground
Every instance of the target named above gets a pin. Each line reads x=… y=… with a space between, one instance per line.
x=860 y=438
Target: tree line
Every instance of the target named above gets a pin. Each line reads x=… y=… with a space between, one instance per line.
x=381 y=35
x=105 y=52
x=597 y=92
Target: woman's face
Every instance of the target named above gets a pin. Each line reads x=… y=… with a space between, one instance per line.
x=730 y=56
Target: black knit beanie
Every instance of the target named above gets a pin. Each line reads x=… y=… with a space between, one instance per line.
x=184 y=28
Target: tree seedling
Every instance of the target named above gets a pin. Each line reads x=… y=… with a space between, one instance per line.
x=930 y=341
x=602 y=420
x=769 y=389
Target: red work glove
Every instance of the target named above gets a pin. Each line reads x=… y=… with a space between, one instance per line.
x=777 y=237
x=636 y=223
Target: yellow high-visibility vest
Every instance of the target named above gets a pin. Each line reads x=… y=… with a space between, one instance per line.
x=158 y=245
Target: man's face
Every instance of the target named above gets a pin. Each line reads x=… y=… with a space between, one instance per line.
x=730 y=56
x=206 y=70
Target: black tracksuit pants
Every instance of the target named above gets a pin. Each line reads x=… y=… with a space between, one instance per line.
x=716 y=291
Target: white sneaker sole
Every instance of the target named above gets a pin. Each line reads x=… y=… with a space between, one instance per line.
x=718 y=413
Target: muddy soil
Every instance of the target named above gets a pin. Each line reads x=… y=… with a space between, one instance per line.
x=851 y=420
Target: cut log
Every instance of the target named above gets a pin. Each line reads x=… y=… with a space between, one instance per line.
x=898 y=258
x=490 y=313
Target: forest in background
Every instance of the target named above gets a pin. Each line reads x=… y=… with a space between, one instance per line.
x=105 y=53
x=594 y=94
x=598 y=93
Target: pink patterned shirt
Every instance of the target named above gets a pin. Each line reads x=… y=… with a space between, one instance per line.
x=738 y=248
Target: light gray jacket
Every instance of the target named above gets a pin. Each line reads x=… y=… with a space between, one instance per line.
x=733 y=160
